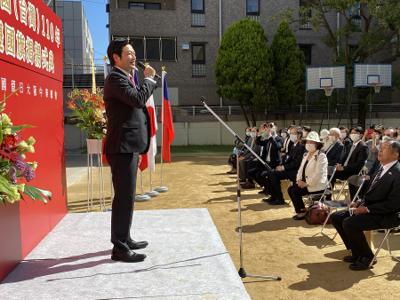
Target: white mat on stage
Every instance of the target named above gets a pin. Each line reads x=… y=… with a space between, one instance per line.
x=186 y=259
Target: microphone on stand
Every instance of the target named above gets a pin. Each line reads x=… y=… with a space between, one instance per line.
x=142 y=66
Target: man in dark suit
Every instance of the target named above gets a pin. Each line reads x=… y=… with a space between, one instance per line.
x=380 y=208
x=354 y=161
x=287 y=170
x=128 y=127
x=335 y=150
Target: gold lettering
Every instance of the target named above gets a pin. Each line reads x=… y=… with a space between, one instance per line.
x=29 y=51
x=58 y=37
x=31 y=16
x=1 y=37
x=23 y=15
x=38 y=55
x=10 y=40
x=45 y=57
x=6 y=6
x=51 y=61
x=20 y=46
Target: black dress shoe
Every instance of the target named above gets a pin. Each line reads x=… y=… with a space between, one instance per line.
x=350 y=259
x=133 y=245
x=361 y=264
x=127 y=256
x=276 y=202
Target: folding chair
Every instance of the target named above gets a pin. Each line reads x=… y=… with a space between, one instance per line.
x=318 y=197
x=356 y=180
x=386 y=238
x=345 y=182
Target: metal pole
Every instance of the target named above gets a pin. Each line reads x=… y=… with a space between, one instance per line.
x=242 y=273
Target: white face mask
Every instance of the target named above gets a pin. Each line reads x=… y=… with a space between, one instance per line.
x=293 y=138
x=305 y=134
x=247 y=133
x=252 y=134
x=284 y=135
x=343 y=135
x=386 y=138
x=355 y=137
x=311 y=147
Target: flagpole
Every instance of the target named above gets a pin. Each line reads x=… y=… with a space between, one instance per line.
x=161 y=188
x=152 y=193
x=142 y=196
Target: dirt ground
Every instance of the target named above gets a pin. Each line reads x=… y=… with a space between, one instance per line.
x=274 y=244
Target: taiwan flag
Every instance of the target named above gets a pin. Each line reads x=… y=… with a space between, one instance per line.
x=167 y=122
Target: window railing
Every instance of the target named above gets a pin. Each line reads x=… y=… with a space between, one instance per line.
x=199 y=70
x=198 y=20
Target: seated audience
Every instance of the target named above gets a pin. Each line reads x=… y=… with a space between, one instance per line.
x=312 y=175
x=353 y=162
x=345 y=139
x=238 y=150
x=287 y=170
x=380 y=208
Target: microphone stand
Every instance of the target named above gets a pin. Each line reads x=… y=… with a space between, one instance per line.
x=238 y=139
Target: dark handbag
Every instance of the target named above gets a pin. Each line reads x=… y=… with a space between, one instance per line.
x=317 y=214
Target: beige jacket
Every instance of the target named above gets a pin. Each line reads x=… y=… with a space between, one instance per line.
x=316 y=171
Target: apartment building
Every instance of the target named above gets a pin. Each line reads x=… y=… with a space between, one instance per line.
x=184 y=36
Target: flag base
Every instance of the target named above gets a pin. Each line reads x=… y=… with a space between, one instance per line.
x=161 y=189
x=152 y=193
x=142 y=197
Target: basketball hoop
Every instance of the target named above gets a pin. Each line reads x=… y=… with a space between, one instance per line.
x=328 y=90
x=377 y=87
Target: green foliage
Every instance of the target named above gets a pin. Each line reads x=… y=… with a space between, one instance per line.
x=243 y=68
x=289 y=66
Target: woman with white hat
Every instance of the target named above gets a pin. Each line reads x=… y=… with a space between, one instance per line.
x=312 y=176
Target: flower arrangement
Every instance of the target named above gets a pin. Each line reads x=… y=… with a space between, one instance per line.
x=88 y=112
x=14 y=170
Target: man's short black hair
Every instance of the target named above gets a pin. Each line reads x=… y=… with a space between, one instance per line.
x=307 y=128
x=358 y=129
x=115 y=47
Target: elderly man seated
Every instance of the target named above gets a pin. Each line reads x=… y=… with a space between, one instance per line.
x=380 y=208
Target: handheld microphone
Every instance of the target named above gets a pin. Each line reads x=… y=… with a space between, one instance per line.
x=142 y=66
x=202 y=99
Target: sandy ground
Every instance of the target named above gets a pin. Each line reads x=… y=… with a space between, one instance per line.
x=309 y=263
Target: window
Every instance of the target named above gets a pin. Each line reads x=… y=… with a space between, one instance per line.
x=305 y=15
x=138 y=45
x=144 y=5
x=252 y=7
x=198 y=6
x=198 y=59
x=307 y=51
x=198 y=53
x=168 y=49
x=154 y=48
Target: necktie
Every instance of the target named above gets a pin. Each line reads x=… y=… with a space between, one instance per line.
x=131 y=79
x=377 y=177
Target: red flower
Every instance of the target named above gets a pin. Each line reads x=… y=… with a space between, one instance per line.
x=10 y=140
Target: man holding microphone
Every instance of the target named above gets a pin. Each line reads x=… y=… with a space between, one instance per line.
x=128 y=136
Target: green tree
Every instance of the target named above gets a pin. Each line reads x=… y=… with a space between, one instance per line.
x=243 y=68
x=369 y=27
x=288 y=61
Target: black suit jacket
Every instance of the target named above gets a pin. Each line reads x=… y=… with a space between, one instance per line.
x=383 y=198
x=357 y=159
x=293 y=159
x=274 y=158
x=335 y=154
x=128 y=122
